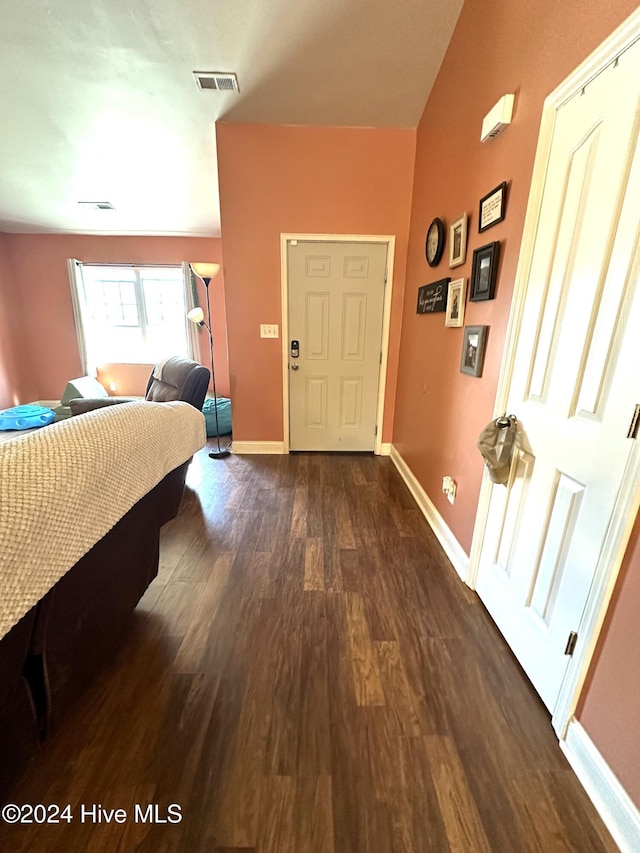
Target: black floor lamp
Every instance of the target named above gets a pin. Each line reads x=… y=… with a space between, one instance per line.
x=206 y=272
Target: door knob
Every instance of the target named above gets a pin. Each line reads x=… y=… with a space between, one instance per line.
x=294 y=366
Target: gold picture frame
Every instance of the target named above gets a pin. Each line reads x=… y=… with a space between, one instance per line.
x=458 y=241
x=455 y=303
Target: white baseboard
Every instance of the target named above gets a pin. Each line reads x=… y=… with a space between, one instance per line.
x=615 y=807
x=452 y=548
x=245 y=447
x=48 y=404
x=277 y=447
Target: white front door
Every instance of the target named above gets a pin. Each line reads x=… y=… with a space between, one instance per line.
x=576 y=379
x=336 y=300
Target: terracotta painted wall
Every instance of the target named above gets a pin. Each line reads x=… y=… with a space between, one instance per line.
x=610 y=708
x=527 y=47
x=16 y=381
x=39 y=265
x=301 y=180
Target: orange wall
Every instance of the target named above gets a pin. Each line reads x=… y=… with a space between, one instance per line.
x=610 y=708
x=124 y=380
x=302 y=180
x=527 y=47
x=39 y=265
x=16 y=385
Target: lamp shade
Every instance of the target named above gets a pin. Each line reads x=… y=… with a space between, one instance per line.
x=196 y=315
x=206 y=271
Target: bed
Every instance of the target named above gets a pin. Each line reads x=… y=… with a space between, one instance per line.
x=82 y=505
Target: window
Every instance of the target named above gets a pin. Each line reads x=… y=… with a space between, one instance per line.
x=132 y=314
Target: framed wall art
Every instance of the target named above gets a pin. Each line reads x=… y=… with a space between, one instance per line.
x=432 y=298
x=473 y=345
x=484 y=271
x=492 y=207
x=455 y=303
x=458 y=241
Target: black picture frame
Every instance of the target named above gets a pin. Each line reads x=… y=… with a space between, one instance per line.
x=484 y=272
x=473 y=347
x=432 y=298
x=492 y=207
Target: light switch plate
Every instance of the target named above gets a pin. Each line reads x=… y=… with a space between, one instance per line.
x=269 y=330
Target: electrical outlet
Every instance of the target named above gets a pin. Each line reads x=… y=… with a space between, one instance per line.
x=269 y=330
x=449 y=488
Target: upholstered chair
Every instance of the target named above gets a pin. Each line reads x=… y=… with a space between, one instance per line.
x=172 y=378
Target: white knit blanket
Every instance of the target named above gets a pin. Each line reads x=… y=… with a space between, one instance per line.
x=63 y=487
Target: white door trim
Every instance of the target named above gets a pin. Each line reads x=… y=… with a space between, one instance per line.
x=628 y=501
x=386 y=320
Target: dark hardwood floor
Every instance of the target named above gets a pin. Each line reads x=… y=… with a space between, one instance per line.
x=308 y=675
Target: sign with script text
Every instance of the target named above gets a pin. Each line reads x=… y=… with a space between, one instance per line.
x=432 y=298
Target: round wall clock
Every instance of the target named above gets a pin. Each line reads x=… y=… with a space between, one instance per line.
x=434 y=245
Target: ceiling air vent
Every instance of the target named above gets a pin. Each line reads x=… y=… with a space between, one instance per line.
x=96 y=205
x=216 y=81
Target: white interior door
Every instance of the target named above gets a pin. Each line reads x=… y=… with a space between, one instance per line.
x=336 y=300
x=576 y=379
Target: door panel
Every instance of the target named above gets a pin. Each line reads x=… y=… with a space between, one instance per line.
x=556 y=538
x=316 y=402
x=354 y=312
x=350 y=402
x=579 y=170
x=575 y=382
x=336 y=299
x=317 y=325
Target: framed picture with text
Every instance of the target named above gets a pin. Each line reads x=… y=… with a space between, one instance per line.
x=432 y=298
x=492 y=207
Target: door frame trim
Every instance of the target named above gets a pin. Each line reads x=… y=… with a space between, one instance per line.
x=390 y=242
x=628 y=501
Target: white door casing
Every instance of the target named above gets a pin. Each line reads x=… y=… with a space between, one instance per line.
x=573 y=383
x=335 y=296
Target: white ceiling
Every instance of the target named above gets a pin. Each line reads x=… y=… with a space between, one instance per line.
x=98 y=101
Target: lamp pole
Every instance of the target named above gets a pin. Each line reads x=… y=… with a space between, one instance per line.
x=205 y=273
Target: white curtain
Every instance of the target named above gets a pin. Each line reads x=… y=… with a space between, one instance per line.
x=80 y=315
x=189 y=301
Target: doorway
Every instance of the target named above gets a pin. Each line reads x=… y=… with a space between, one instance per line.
x=336 y=296
x=547 y=547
